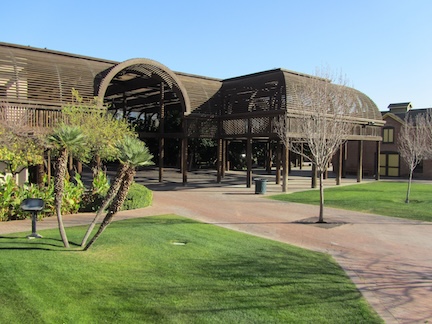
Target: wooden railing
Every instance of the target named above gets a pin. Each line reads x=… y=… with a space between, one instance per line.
x=28 y=116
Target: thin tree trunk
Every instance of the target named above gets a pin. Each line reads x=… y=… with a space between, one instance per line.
x=116 y=205
x=58 y=193
x=409 y=187
x=112 y=192
x=321 y=189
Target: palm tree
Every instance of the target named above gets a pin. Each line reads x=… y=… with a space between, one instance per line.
x=122 y=147
x=134 y=154
x=65 y=139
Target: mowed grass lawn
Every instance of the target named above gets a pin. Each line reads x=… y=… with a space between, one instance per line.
x=169 y=269
x=380 y=197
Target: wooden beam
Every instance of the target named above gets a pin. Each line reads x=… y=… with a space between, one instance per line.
x=360 y=162
x=377 y=161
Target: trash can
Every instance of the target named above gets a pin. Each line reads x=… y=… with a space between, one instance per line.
x=260 y=186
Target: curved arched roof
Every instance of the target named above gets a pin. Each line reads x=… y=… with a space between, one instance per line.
x=362 y=106
x=276 y=90
x=45 y=77
x=127 y=77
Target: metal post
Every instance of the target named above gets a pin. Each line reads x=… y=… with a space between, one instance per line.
x=34 y=234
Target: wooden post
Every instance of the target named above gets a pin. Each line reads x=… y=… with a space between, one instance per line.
x=161 y=131
x=285 y=169
x=301 y=157
x=224 y=158
x=269 y=157
x=227 y=166
x=184 y=153
x=249 y=162
x=360 y=161
x=219 y=160
x=339 y=170
x=378 y=161
x=278 y=162
x=345 y=157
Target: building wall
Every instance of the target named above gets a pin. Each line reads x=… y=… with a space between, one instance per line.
x=352 y=158
x=422 y=172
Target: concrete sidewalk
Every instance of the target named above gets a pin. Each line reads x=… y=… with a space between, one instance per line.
x=389 y=259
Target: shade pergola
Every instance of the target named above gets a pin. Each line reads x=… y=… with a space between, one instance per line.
x=38 y=82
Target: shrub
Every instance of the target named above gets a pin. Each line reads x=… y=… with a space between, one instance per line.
x=138 y=196
x=92 y=199
x=11 y=196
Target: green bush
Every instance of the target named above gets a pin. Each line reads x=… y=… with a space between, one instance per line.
x=138 y=196
x=11 y=196
x=74 y=199
x=93 y=199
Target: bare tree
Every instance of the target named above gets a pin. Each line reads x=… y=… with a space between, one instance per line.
x=319 y=118
x=414 y=144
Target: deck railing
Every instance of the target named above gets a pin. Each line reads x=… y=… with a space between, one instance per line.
x=29 y=116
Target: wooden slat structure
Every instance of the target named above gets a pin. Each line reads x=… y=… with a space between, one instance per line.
x=36 y=83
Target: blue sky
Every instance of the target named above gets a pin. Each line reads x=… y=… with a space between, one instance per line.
x=383 y=47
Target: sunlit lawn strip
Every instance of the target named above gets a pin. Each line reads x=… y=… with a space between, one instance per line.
x=168 y=269
x=381 y=197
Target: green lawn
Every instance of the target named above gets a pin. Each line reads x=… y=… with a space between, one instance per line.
x=168 y=269
x=380 y=197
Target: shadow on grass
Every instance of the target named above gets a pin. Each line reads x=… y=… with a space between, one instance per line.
x=24 y=243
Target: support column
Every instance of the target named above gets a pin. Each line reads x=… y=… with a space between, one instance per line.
x=285 y=168
x=219 y=160
x=227 y=161
x=339 y=169
x=249 y=162
x=301 y=156
x=184 y=154
x=360 y=161
x=278 y=162
x=378 y=162
x=345 y=157
x=224 y=158
x=161 y=131
x=269 y=157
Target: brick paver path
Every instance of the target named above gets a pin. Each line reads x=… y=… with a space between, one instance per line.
x=389 y=259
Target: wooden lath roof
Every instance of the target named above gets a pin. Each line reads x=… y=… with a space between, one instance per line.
x=44 y=77
x=275 y=90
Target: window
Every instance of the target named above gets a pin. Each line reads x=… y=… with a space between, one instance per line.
x=389 y=164
x=388 y=135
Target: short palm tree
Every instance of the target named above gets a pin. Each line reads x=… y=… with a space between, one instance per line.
x=65 y=140
x=134 y=153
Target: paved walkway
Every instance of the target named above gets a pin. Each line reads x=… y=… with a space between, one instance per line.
x=389 y=259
